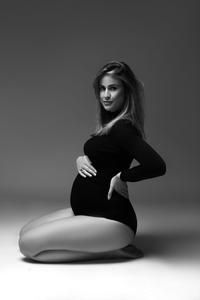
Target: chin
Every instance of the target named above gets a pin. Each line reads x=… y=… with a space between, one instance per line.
x=110 y=110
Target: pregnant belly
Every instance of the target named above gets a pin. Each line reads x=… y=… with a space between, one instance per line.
x=89 y=192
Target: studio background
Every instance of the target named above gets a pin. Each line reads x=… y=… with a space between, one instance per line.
x=50 y=53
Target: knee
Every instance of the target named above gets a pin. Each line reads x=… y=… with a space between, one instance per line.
x=22 y=231
x=25 y=228
x=28 y=245
x=24 y=245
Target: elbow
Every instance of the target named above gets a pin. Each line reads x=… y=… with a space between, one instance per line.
x=158 y=169
x=163 y=168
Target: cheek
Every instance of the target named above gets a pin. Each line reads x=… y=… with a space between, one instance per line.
x=101 y=95
x=120 y=96
x=119 y=100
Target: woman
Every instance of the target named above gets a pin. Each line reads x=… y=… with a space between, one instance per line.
x=101 y=222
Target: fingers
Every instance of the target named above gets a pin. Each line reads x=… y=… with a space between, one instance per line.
x=81 y=173
x=92 y=169
x=119 y=186
x=88 y=165
x=109 y=194
x=84 y=166
x=87 y=171
x=122 y=190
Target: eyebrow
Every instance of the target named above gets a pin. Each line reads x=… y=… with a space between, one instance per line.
x=115 y=84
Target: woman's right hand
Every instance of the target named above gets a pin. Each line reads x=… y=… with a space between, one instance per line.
x=85 y=167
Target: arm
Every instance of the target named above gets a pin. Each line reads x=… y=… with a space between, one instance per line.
x=151 y=163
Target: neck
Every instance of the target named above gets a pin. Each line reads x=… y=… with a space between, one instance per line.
x=109 y=115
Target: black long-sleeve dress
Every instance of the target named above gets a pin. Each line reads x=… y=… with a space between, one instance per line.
x=111 y=154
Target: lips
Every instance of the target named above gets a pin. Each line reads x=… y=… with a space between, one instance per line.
x=107 y=102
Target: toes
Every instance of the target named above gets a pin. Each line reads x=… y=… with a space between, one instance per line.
x=131 y=251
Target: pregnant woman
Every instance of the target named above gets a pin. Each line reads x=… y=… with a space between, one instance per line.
x=101 y=222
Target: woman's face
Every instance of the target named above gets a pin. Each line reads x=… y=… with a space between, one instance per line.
x=111 y=93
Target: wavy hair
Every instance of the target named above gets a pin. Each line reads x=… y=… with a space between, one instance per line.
x=133 y=106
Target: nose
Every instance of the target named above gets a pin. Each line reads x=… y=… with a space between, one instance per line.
x=107 y=94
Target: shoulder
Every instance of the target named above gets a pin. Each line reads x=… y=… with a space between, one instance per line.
x=125 y=127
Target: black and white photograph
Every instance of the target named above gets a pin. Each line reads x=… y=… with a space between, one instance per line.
x=99 y=150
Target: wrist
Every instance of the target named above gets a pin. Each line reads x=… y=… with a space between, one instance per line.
x=118 y=175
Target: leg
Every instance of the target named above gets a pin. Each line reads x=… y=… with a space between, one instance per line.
x=78 y=233
x=68 y=256
x=71 y=256
x=59 y=214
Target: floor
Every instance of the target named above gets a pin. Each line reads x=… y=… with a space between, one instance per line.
x=170 y=269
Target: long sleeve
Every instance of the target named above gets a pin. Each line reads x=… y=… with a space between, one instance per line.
x=150 y=162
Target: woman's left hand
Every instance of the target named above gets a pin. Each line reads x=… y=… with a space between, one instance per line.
x=120 y=186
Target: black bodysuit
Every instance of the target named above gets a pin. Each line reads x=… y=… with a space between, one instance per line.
x=111 y=154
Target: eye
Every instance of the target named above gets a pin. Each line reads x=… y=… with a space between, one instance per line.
x=113 y=88
x=101 y=88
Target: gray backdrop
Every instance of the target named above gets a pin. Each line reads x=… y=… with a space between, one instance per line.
x=50 y=52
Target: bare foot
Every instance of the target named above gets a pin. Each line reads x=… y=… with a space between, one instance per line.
x=130 y=251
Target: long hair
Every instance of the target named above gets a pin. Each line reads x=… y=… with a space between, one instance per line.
x=133 y=106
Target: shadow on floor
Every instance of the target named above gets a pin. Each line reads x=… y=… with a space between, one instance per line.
x=82 y=262
x=173 y=244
